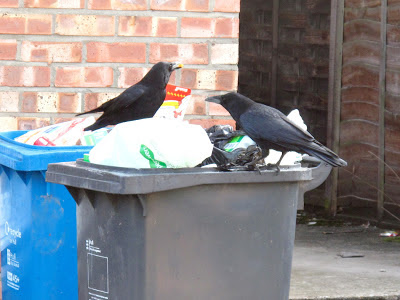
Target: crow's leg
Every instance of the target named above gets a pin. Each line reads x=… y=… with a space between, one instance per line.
x=253 y=165
x=278 y=163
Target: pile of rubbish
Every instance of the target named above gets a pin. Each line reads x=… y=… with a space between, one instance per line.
x=164 y=141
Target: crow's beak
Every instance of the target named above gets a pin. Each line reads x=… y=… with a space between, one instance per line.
x=215 y=99
x=177 y=66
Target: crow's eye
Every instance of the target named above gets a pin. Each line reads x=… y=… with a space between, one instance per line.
x=170 y=67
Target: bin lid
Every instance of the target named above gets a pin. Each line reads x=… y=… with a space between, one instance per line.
x=116 y=180
x=23 y=157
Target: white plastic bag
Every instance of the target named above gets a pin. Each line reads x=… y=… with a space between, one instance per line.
x=153 y=143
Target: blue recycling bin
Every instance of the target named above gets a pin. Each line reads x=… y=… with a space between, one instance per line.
x=37 y=223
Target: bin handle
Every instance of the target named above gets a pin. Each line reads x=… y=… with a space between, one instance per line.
x=143 y=202
x=319 y=173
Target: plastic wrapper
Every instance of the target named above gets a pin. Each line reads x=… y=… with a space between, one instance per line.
x=61 y=134
x=231 y=148
x=91 y=138
x=175 y=103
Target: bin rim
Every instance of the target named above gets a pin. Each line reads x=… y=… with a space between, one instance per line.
x=22 y=157
x=117 y=180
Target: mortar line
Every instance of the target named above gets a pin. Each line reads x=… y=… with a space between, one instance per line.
x=148 y=13
x=212 y=5
x=52 y=76
x=18 y=57
x=117 y=75
x=112 y=65
x=84 y=90
x=147 y=53
x=53 y=24
x=116 y=25
x=144 y=39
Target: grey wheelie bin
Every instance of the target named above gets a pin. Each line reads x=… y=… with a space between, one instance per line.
x=184 y=234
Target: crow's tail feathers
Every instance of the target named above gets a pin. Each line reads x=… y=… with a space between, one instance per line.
x=98 y=109
x=324 y=154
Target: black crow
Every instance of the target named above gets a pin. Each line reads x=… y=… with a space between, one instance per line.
x=139 y=101
x=271 y=129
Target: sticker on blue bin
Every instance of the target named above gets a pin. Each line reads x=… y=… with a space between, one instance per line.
x=12 y=233
x=13 y=281
x=12 y=259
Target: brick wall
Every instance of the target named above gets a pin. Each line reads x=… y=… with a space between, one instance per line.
x=61 y=57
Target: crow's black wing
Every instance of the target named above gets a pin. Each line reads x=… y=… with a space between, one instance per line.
x=124 y=100
x=266 y=123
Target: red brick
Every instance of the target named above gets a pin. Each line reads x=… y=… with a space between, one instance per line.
x=207 y=123
x=68 y=102
x=116 y=52
x=185 y=53
x=38 y=27
x=51 y=52
x=197 y=5
x=188 y=78
x=9 y=101
x=25 y=24
x=207 y=27
x=48 y=102
x=198 y=79
x=84 y=77
x=93 y=100
x=90 y=101
x=135 y=26
x=128 y=5
x=166 y=27
x=224 y=54
x=12 y=24
x=147 y=26
x=8 y=49
x=32 y=123
x=217 y=110
x=62 y=120
x=9 y=3
x=197 y=27
x=29 y=102
x=118 y=4
x=167 y=4
x=196 y=106
x=130 y=76
x=99 y=4
x=54 y=3
x=227 y=27
x=88 y=25
x=226 y=80
x=227 y=5
x=24 y=76
x=209 y=79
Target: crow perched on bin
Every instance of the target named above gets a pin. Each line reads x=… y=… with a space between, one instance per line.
x=271 y=129
x=139 y=101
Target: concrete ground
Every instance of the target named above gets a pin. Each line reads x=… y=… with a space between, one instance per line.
x=319 y=273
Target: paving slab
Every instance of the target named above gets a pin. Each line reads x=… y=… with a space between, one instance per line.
x=318 y=272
